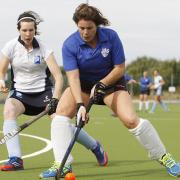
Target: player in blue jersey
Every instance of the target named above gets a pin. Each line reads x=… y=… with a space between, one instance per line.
x=129 y=79
x=145 y=84
x=93 y=58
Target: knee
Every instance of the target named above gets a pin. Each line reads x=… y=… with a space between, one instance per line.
x=65 y=111
x=131 y=121
x=10 y=112
x=143 y=126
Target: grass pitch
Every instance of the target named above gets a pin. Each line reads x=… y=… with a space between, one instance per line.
x=127 y=159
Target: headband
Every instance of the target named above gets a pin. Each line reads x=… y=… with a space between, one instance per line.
x=26 y=18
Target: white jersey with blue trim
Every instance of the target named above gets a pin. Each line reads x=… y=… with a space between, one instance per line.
x=29 y=70
x=157 y=81
x=157 y=85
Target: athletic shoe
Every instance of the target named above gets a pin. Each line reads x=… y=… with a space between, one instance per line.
x=14 y=164
x=52 y=171
x=101 y=155
x=171 y=165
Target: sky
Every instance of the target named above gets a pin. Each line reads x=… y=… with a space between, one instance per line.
x=145 y=27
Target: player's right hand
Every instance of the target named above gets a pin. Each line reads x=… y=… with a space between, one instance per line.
x=3 y=87
x=81 y=114
x=52 y=106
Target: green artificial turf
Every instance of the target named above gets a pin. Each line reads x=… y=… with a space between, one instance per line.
x=127 y=159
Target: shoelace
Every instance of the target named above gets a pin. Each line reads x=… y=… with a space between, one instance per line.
x=11 y=160
x=14 y=162
x=54 y=166
x=168 y=161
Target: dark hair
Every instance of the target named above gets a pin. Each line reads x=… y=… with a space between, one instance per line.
x=29 y=16
x=86 y=12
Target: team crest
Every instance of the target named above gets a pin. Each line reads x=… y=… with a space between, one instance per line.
x=46 y=99
x=18 y=94
x=37 y=60
x=105 y=52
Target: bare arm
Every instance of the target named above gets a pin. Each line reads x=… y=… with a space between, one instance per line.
x=116 y=73
x=132 y=81
x=162 y=82
x=57 y=75
x=150 y=85
x=4 y=63
x=74 y=82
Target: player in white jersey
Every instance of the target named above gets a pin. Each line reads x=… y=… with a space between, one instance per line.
x=157 y=86
x=31 y=90
x=32 y=64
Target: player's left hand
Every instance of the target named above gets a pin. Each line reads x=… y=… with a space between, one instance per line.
x=133 y=81
x=3 y=87
x=98 y=92
x=52 y=105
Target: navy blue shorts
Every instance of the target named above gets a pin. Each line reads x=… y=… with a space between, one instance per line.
x=145 y=92
x=34 y=103
x=120 y=85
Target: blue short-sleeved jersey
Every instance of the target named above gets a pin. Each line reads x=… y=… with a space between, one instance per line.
x=127 y=77
x=93 y=63
x=144 y=83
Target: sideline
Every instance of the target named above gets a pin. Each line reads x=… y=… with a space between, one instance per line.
x=166 y=101
x=47 y=148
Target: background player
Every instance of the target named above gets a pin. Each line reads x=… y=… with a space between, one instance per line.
x=157 y=86
x=145 y=84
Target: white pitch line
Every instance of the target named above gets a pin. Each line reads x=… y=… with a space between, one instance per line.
x=48 y=147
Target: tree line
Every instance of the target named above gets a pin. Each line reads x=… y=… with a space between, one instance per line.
x=169 y=69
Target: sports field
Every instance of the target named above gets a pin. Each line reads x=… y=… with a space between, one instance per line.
x=127 y=159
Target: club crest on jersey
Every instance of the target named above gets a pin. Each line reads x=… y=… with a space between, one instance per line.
x=37 y=59
x=105 y=52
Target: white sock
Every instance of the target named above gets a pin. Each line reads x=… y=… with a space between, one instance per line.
x=149 y=138
x=147 y=105
x=13 y=145
x=61 y=135
x=140 y=105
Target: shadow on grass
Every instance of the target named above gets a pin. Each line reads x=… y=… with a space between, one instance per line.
x=119 y=169
x=114 y=170
x=123 y=174
x=116 y=163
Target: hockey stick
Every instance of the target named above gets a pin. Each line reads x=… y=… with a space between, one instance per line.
x=73 y=140
x=14 y=132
